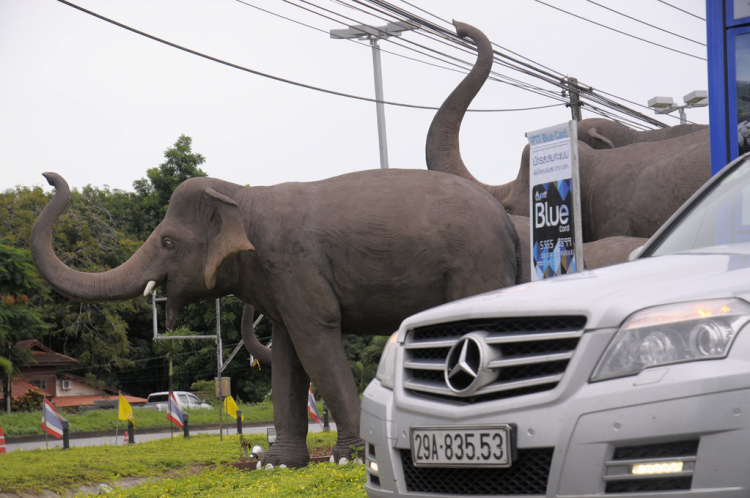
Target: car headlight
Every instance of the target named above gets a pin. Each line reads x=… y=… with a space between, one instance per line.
x=387 y=365
x=673 y=333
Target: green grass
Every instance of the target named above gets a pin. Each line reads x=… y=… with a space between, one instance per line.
x=179 y=467
x=29 y=423
x=329 y=480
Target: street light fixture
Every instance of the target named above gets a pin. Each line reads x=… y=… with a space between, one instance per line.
x=665 y=105
x=375 y=33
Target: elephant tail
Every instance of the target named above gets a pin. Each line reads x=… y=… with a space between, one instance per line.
x=595 y=135
x=252 y=344
x=442 y=148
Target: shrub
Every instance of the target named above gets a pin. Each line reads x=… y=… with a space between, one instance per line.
x=30 y=401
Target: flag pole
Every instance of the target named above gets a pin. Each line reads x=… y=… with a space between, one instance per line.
x=117 y=424
x=44 y=420
x=169 y=406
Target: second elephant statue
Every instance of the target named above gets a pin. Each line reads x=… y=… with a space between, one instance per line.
x=629 y=189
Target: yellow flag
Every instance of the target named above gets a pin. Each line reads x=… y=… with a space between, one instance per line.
x=231 y=407
x=125 y=412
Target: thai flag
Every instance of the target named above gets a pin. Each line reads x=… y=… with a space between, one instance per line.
x=175 y=414
x=52 y=422
x=312 y=407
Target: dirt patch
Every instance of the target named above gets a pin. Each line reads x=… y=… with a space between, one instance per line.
x=89 y=489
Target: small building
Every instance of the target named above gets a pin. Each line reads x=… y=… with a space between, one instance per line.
x=61 y=389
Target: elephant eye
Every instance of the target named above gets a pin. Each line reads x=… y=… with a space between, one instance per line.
x=168 y=243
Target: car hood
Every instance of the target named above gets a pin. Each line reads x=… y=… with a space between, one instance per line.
x=606 y=296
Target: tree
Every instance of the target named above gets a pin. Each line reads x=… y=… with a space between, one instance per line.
x=96 y=232
x=154 y=192
x=21 y=292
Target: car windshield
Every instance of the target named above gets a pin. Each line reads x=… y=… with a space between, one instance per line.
x=721 y=217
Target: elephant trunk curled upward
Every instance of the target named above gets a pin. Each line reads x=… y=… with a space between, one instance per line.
x=352 y=254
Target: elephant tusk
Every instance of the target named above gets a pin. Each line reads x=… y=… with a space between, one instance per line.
x=149 y=287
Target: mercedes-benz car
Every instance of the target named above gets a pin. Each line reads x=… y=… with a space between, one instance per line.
x=630 y=380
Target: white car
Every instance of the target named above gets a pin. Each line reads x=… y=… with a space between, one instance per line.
x=631 y=380
x=187 y=401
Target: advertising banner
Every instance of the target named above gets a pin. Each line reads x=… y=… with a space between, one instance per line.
x=555 y=205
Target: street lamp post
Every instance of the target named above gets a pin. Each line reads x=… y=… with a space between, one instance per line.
x=665 y=105
x=375 y=33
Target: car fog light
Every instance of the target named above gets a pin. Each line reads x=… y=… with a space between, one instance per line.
x=656 y=468
x=373 y=466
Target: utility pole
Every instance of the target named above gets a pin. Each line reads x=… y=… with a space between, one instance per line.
x=575 y=100
x=361 y=32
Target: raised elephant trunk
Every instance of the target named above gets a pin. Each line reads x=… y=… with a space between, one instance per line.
x=442 y=149
x=124 y=282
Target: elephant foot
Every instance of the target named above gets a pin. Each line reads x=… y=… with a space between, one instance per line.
x=346 y=451
x=283 y=454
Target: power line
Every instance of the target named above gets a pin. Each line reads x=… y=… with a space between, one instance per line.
x=618 y=31
x=682 y=10
x=347 y=39
x=270 y=76
x=588 y=92
x=644 y=22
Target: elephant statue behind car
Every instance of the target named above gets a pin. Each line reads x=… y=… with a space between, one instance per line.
x=603 y=252
x=354 y=254
x=629 y=189
x=602 y=133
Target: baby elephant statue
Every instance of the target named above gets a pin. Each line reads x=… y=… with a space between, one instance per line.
x=352 y=254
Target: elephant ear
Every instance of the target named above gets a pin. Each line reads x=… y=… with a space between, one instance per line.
x=226 y=235
x=594 y=134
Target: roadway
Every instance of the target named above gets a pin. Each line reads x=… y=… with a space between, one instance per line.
x=26 y=443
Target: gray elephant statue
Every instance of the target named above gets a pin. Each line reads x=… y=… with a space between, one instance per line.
x=602 y=133
x=355 y=254
x=603 y=252
x=629 y=189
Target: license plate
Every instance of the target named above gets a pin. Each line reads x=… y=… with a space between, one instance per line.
x=487 y=446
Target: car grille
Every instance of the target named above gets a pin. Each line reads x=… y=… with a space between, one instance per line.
x=526 y=355
x=620 y=480
x=527 y=476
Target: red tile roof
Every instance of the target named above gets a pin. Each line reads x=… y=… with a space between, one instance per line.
x=44 y=355
x=18 y=387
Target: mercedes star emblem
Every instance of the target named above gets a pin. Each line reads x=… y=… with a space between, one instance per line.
x=463 y=365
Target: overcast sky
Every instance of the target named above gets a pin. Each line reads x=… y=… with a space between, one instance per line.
x=99 y=104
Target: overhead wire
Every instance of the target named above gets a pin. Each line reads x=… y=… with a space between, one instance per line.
x=619 y=31
x=450 y=39
x=270 y=76
x=562 y=83
x=682 y=10
x=645 y=23
x=347 y=39
x=452 y=60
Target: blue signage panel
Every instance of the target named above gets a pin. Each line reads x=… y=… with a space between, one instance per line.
x=555 y=203
x=728 y=36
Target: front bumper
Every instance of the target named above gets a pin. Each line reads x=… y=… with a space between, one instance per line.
x=581 y=439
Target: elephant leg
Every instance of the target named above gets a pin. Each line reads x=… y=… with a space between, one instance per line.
x=323 y=356
x=290 y=383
